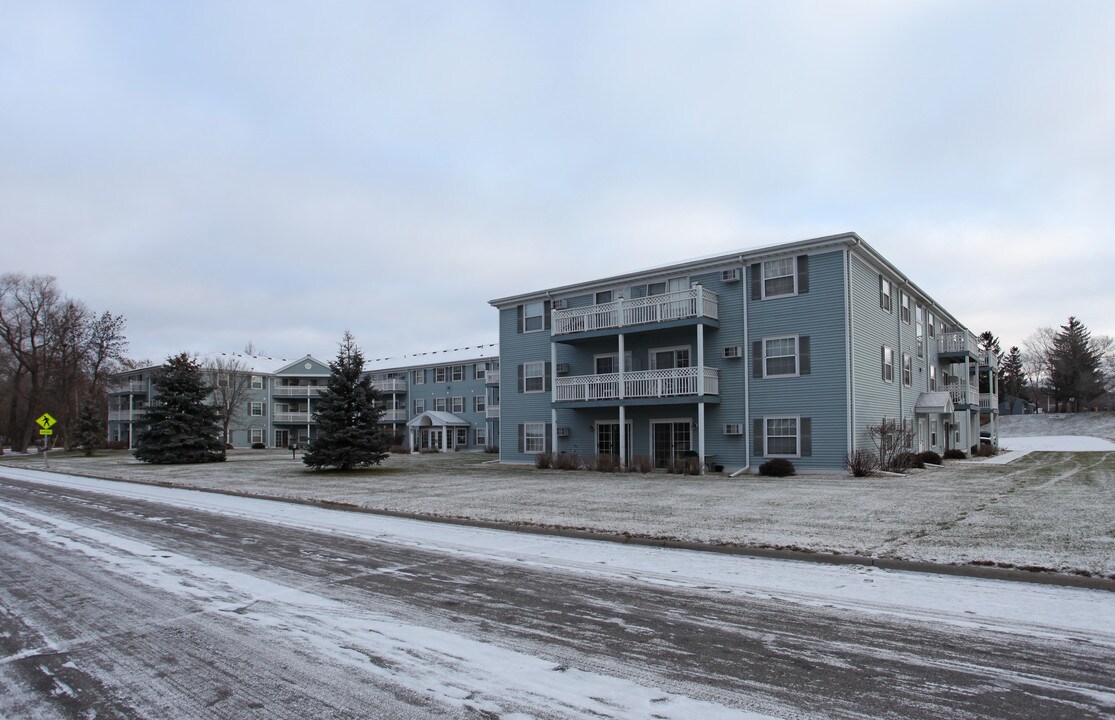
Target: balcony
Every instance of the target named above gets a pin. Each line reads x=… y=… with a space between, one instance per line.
x=696 y=302
x=130 y=387
x=988 y=402
x=390 y=416
x=492 y=412
x=491 y=377
x=292 y=417
x=306 y=391
x=390 y=385
x=127 y=415
x=963 y=394
x=676 y=382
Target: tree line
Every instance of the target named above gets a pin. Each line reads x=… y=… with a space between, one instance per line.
x=1067 y=369
x=56 y=355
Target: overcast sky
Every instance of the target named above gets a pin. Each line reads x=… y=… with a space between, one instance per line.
x=277 y=172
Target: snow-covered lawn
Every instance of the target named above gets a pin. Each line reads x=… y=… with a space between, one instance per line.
x=1051 y=510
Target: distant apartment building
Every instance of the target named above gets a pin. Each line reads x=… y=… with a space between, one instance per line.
x=789 y=351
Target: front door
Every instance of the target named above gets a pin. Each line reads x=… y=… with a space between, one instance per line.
x=669 y=440
x=607 y=440
x=282 y=438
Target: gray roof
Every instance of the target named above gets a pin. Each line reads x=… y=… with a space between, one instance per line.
x=436 y=418
x=453 y=356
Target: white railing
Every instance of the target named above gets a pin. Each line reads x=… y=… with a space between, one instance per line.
x=694 y=302
x=491 y=377
x=988 y=358
x=298 y=391
x=964 y=394
x=956 y=342
x=131 y=386
x=492 y=412
x=390 y=385
x=126 y=415
x=393 y=416
x=988 y=401
x=638 y=384
x=292 y=417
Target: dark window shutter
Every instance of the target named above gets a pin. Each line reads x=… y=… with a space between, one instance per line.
x=757 y=359
x=549 y=437
x=757 y=281
x=757 y=434
x=803 y=274
x=519 y=319
x=522 y=438
x=520 y=371
x=549 y=376
x=546 y=315
x=806 y=437
x=804 y=360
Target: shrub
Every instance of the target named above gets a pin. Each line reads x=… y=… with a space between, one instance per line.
x=492 y=449
x=777 y=467
x=429 y=451
x=567 y=461
x=955 y=454
x=400 y=449
x=986 y=450
x=605 y=463
x=640 y=464
x=904 y=461
x=116 y=445
x=862 y=463
x=258 y=446
x=544 y=460
x=684 y=466
x=975 y=450
x=930 y=458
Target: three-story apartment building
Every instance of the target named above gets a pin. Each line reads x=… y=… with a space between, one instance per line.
x=790 y=351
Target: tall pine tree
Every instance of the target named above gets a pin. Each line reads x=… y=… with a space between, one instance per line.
x=1075 y=367
x=90 y=431
x=348 y=435
x=182 y=426
x=1012 y=375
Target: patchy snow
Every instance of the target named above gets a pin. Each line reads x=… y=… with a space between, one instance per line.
x=1056 y=443
x=1097 y=424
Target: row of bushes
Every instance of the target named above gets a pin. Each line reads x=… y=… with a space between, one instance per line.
x=864 y=463
x=596 y=463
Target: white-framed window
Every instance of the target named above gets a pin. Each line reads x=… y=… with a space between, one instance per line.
x=420 y=377
x=458 y=373
x=257 y=384
x=478 y=403
x=481 y=436
x=533 y=316
x=932 y=432
x=419 y=406
x=534 y=437
x=780 y=356
x=604 y=296
x=779 y=277
x=457 y=405
x=782 y=439
x=439 y=404
x=919 y=316
x=667 y=286
x=905 y=308
x=888 y=364
x=932 y=326
x=907 y=370
x=440 y=374
x=534 y=377
x=256 y=435
x=255 y=409
x=606 y=363
x=462 y=437
x=932 y=377
x=669 y=358
x=222 y=380
x=886 y=299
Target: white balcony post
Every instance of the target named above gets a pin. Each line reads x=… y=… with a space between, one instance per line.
x=553 y=397
x=622 y=434
x=619 y=363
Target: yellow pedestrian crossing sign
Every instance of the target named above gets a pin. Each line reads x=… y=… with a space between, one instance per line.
x=46 y=422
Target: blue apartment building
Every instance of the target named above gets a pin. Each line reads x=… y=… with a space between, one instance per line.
x=788 y=351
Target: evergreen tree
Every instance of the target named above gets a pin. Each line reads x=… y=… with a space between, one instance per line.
x=89 y=432
x=347 y=415
x=990 y=343
x=182 y=426
x=1075 y=367
x=1012 y=374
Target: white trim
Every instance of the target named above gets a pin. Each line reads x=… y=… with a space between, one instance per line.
x=887 y=348
x=797 y=356
x=793 y=275
x=253 y=406
x=673 y=348
x=767 y=436
x=541 y=376
x=541 y=316
x=541 y=437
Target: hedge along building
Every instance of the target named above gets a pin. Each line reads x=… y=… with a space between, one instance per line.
x=790 y=351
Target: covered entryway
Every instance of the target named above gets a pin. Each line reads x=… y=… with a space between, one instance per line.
x=931 y=408
x=434 y=430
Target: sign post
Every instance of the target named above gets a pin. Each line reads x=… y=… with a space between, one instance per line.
x=45 y=423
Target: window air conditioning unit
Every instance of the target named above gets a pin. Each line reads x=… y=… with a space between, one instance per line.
x=562 y=368
x=730 y=275
x=733 y=429
x=732 y=351
x=561 y=304
x=563 y=432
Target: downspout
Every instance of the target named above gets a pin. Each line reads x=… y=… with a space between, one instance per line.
x=746 y=379
x=850 y=330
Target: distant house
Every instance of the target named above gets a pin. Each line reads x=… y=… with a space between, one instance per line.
x=787 y=351
x=1010 y=405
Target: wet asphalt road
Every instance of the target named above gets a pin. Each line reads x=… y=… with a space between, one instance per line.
x=112 y=607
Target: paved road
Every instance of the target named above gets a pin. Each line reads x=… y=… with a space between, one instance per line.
x=120 y=607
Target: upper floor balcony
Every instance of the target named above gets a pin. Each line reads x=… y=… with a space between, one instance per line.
x=300 y=391
x=964 y=394
x=135 y=414
x=292 y=417
x=675 y=382
x=391 y=416
x=694 y=303
x=128 y=387
x=491 y=377
x=964 y=344
x=390 y=385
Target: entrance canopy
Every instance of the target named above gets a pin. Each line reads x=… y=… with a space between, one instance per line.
x=933 y=403
x=435 y=418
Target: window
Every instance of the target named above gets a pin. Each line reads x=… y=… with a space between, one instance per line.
x=609 y=363
x=782 y=437
x=905 y=308
x=932 y=377
x=256 y=435
x=932 y=327
x=534 y=377
x=255 y=409
x=668 y=358
x=933 y=432
x=457 y=405
x=667 y=286
x=885 y=299
x=222 y=380
x=419 y=406
x=907 y=370
x=779 y=277
x=257 y=384
x=888 y=364
x=780 y=356
x=920 y=324
x=462 y=437
x=478 y=404
x=439 y=374
x=439 y=404
x=534 y=437
x=420 y=377
x=533 y=319
x=481 y=435
x=458 y=373
x=604 y=296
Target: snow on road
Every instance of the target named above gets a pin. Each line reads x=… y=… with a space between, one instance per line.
x=1008 y=606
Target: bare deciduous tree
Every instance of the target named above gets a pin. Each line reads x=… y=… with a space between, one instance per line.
x=231 y=380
